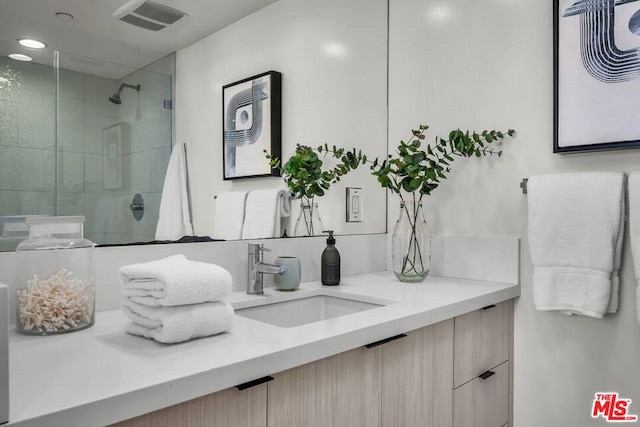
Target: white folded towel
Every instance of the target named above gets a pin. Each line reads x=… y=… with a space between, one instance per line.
x=576 y=226
x=229 y=215
x=174 y=281
x=634 y=229
x=264 y=209
x=177 y=324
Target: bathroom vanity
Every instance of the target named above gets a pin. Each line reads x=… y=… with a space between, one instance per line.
x=434 y=353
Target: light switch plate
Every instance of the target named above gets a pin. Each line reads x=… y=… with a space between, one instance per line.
x=354 y=204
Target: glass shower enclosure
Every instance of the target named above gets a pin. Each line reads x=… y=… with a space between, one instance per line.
x=79 y=136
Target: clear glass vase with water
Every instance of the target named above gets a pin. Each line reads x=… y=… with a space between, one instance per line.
x=309 y=222
x=411 y=244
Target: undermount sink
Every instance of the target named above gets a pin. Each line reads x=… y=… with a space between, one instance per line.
x=309 y=308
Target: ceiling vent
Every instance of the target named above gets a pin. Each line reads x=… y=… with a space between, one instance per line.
x=148 y=14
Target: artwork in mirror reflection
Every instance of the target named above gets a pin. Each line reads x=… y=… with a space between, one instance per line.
x=251 y=124
x=82 y=153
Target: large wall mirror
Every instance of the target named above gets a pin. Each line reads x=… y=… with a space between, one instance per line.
x=83 y=130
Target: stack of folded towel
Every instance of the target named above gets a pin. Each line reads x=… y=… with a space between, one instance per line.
x=174 y=299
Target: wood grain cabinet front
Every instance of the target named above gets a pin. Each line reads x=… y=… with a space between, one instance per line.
x=226 y=408
x=339 y=391
x=417 y=372
x=451 y=374
x=483 y=402
x=403 y=382
x=481 y=375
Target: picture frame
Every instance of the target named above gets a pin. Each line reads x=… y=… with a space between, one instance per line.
x=112 y=157
x=596 y=67
x=251 y=123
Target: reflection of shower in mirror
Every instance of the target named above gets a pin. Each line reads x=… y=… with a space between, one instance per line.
x=115 y=98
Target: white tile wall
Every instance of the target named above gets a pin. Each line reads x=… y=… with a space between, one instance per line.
x=70 y=171
x=9 y=123
x=36 y=203
x=9 y=205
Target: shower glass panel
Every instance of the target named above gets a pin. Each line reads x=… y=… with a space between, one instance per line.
x=109 y=152
x=27 y=142
x=66 y=149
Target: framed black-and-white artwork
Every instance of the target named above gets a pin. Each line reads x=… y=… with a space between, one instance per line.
x=252 y=121
x=596 y=75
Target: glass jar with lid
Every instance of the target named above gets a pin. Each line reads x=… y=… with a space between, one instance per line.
x=54 y=277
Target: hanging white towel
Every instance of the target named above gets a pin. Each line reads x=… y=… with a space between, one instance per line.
x=229 y=217
x=576 y=226
x=263 y=212
x=171 y=325
x=174 y=281
x=634 y=229
x=174 y=219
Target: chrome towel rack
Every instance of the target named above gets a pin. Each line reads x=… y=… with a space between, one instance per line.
x=291 y=196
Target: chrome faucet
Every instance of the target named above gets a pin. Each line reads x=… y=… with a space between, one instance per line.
x=257 y=268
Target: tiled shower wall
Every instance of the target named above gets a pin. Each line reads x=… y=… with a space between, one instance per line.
x=27 y=138
x=28 y=142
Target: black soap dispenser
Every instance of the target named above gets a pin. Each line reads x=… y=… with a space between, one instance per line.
x=330 y=274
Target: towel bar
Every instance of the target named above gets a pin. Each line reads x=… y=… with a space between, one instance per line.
x=291 y=196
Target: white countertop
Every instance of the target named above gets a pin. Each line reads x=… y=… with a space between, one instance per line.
x=102 y=375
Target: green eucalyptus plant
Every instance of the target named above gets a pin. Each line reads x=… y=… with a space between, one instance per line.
x=416 y=170
x=419 y=170
x=305 y=177
x=413 y=171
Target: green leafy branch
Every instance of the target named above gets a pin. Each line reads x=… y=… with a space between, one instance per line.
x=303 y=172
x=415 y=169
x=412 y=169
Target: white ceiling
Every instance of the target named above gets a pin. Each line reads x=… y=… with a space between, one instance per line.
x=94 y=34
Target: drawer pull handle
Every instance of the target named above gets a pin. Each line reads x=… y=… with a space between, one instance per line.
x=384 y=341
x=254 y=383
x=488 y=307
x=486 y=375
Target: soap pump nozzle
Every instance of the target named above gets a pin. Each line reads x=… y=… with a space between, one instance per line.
x=330 y=240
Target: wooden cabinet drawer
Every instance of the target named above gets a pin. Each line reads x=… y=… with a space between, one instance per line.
x=481 y=341
x=416 y=378
x=339 y=391
x=226 y=408
x=483 y=403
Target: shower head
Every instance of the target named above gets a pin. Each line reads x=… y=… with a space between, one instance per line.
x=115 y=98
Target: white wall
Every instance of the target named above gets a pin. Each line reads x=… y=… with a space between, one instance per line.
x=332 y=55
x=488 y=64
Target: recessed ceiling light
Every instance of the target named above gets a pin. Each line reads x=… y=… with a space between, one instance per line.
x=64 y=16
x=31 y=43
x=20 y=57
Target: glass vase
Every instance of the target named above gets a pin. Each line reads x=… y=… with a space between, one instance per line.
x=411 y=244
x=309 y=222
x=54 y=277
